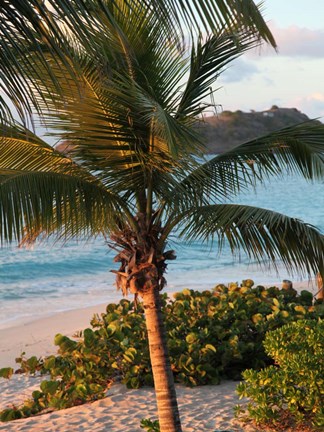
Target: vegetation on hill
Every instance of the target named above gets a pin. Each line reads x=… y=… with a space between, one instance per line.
x=229 y=129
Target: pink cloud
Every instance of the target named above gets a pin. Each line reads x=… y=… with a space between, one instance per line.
x=312 y=105
x=296 y=41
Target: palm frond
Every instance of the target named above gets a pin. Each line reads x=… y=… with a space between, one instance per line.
x=215 y=14
x=21 y=149
x=296 y=149
x=41 y=201
x=26 y=25
x=209 y=58
x=175 y=16
x=293 y=150
x=39 y=185
x=262 y=234
x=117 y=129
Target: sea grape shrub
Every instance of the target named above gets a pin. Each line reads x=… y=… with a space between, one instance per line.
x=150 y=425
x=191 y=345
x=6 y=372
x=294 y=385
x=219 y=333
x=123 y=333
x=76 y=376
x=115 y=348
x=211 y=334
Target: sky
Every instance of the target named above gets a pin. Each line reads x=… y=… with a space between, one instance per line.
x=293 y=77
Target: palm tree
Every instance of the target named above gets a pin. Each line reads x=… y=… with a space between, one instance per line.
x=123 y=90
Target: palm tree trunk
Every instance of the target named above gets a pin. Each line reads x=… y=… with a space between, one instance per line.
x=163 y=379
x=320 y=287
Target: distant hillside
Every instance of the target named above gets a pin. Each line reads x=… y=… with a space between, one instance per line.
x=228 y=129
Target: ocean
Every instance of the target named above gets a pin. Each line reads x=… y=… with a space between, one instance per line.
x=50 y=277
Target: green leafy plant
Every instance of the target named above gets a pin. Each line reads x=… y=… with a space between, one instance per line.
x=150 y=425
x=220 y=333
x=294 y=385
x=6 y=372
x=211 y=334
x=28 y=365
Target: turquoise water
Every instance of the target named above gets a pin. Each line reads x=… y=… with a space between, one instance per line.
x=50 y=278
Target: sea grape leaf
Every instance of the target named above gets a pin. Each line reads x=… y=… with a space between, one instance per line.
x=210 y=347
x=6 y=372
x=49 y=386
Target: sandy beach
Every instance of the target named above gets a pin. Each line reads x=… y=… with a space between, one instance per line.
x=206 y=408
x=36 y=337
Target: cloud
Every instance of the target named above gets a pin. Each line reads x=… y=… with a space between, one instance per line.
x=239 y=70
x=312 y=105
x=297 y=41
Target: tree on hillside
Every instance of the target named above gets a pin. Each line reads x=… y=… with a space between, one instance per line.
x=123 y=89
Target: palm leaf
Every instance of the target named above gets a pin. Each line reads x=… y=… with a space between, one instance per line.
x=118 y=130
x=297 y=149
x=174 y=15
x=26 y=25
x=209 y=57
x=21 y=149
x=39 y=185
x=294 y=150
x=215 y=14
x=262 y=234
x=32 y=201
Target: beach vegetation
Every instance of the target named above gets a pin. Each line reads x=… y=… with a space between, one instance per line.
x=293 y=387
x=150 y=425
x=211 y=335
x=124 y=85
x=6 y=372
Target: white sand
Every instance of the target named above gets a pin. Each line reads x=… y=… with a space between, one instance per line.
x=205 y=408
x=36 y=337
